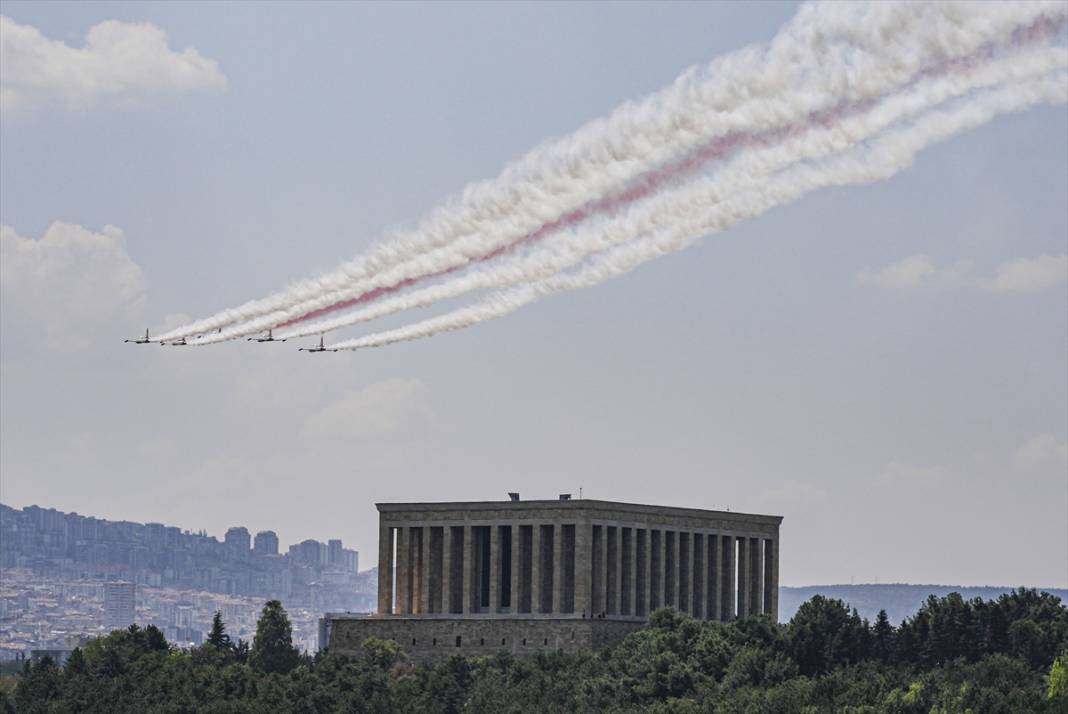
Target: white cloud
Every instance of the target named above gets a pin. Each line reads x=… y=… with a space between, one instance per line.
x=69 y=282
x=120 y=60
x=907 y=273
x=375 y=411
x=1030 y=274
x=1042 y=452
x=1020 y=275
x=899 y=474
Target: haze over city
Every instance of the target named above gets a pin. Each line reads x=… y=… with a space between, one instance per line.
x=883 y=365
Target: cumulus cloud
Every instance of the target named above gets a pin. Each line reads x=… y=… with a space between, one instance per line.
x=69 y=282
x=120 y=60
x=1030 y=274
x=375 y=411
x=1014 y=276
x=1041 y=452
x=907 y=273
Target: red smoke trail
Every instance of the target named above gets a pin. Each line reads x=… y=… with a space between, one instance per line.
x=643 y=187
x=1043 y=28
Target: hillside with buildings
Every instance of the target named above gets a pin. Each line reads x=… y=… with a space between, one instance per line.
x=66 y=577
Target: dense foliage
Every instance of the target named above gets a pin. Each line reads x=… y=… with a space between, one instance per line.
x=1008 y=655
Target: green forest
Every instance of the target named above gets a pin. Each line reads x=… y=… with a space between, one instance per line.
x=953 y=655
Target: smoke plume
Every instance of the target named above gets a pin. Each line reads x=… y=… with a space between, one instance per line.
x=835 y=77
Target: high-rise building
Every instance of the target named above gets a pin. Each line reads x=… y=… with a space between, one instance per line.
x=334 y=555
x=266 y=543
x=119 y=604
x=238 y=541
x=306 y=552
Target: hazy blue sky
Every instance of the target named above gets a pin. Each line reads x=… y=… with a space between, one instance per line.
x=907 y=427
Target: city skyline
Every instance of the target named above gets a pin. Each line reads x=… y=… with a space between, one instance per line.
x=221 y=539
x=67 y=576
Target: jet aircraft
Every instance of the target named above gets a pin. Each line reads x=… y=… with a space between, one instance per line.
x=320 y=348
x=142 y=340
x=267 y=338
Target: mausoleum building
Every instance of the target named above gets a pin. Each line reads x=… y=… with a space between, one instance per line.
x=522 y=576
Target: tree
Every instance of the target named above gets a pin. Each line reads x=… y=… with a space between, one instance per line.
x=75 y=663
x=1026 y=639
x=882 y=637
x=381 y=653
x=272 y=647
x=825 y=633
x=1058 y=678
x=38 y=687
x=218 y=638
x=241 y=650
x=155 y=640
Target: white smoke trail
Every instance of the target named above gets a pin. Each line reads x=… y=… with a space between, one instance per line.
x=884 y=157
x=568 y=248
x=829 y=54
x=403 y=273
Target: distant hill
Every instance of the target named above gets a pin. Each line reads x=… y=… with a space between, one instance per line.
x=899 y=600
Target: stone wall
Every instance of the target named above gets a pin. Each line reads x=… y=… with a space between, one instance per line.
x=423 y=638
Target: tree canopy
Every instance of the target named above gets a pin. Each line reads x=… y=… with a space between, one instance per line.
x=272 y=647
x=1003 y=656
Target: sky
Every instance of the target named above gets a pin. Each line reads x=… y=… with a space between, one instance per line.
x=825 y=362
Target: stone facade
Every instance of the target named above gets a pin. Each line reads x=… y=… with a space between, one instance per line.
x=431 y=637
x=530 y=575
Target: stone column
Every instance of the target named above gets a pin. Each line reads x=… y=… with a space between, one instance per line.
x=536 y=594
x=756 y=571
x=607 y=570
x=685 y=560
x=385 y=568
x=743 y=576
x=425 y=578
x=414 y=566
x=599 y=599
x=771 y=577
x=517 y=566
x=678 y=577
x=647 y=565
x=661 y=577
x=630 y=562
x=583 y=568
x=495 y=569
x=404 y=575
x=558 y=568
x=633 y=572
x=446 y=569
x=469 y=571
x=672 y=572
x=617 y=572
x=715 y=576
x=726 y=586
x=697 y=575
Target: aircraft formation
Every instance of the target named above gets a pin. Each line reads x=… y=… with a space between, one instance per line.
x=268 y=337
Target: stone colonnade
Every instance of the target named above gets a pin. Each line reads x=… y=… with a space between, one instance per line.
x=581 y=568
